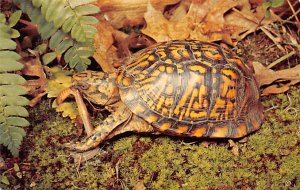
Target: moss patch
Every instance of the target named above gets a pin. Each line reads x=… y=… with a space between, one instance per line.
x=268 y=158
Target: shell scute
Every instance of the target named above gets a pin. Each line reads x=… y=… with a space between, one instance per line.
x=192 y=88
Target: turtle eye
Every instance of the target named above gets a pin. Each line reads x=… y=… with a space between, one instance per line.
x=83 y=86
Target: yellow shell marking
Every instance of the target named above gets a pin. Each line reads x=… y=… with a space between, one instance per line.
x=197 y=54
x=162 y=54
x=241 y=130
x=195 y=115
x=219 y=104
x=170 y=69
x=175 y=54
x=126 y=82
x=230 y=73
x=181 y=129
x=169 y=61
x=185 y=53
x=220 y=132
x=151 y=118
x=160 y=102
x=199 y=132
x=194 y=94
x=198 y=68
x=202 y=92
x=165 y=126
x=151 y=58
x=169 y=90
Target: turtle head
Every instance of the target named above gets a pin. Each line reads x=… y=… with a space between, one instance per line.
x=97 y=87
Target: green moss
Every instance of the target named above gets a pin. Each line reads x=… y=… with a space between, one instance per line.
x=268 y=158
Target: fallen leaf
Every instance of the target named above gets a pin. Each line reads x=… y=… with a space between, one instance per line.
x=139 y=186
x=35 y=86
x=234 y=147
x=123 y=13
x=68 y=109
x=265 y=76
x=59 y=80
x=203 y=20
x=106 y=53
x=134 y=40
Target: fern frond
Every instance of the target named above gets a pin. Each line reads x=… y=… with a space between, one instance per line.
x=67 y=24
x=12 y=112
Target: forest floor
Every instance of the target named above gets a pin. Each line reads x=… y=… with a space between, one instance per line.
x=266 y=159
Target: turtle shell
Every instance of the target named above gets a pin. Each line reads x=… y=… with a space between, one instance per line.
x=191 y=88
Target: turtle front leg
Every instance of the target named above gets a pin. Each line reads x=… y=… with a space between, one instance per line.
x=101 y=132
x=84 y=114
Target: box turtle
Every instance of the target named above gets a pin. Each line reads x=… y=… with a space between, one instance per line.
x=182 y=88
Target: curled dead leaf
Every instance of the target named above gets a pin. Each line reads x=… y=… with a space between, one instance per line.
x=203 y=20
x=234 y=147
x=265 y=76
x=123 y=13
x=36 y=86
x=139 y=186
x=106 y=53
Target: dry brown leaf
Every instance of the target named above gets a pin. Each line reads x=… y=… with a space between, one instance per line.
x=234 y=147
x=106 y=53
x=123 y=13
x=161 y=4
x=139 y=186
x=134 y=40
x=36 y=87
x=265 y=76
x=203 y=20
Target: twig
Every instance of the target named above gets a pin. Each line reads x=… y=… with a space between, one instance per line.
x=293 y=10
x=281 y=59
x=268 y=33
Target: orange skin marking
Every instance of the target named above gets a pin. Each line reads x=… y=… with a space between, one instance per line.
x=199 y=132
